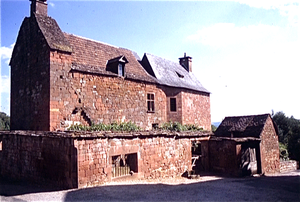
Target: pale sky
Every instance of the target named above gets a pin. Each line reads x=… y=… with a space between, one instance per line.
x=246 y=53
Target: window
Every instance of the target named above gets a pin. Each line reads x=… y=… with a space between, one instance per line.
x=179 y=75
x=173 y=104
x=150 y=102
x=121 y=69
x=124 y=164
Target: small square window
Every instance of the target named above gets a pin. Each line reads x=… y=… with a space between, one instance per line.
x=173 y=104
x=150 y=102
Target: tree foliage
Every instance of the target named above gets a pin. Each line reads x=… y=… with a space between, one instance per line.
x=213 y=128
x=288 y=134
x=4 y=121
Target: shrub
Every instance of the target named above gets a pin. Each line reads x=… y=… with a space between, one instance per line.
x=175 y=126
x=125 y=126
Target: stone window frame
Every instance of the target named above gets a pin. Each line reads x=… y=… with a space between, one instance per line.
x=150 y=102
x=173 y=104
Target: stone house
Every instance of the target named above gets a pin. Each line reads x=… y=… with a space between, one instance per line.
x=245 y=145
x=67 y=79
x=58 y=79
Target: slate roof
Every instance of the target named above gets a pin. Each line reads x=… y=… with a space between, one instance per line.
x=170 y=73
x=92 y=56
x=242 y=126
x=52 y=33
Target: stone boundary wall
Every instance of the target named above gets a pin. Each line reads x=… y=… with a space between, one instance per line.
x=288 y=166
x=38 y=158
x=82 y=159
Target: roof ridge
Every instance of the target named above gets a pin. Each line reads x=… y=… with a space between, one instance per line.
x=93 y=40
x=163 y=58
x=247 y=115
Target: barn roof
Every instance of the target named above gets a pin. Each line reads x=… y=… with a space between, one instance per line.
x=242 y=126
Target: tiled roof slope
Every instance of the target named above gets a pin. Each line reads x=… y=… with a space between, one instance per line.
x=242 y=126
x=92 y=56
x=52 y=33
x=170 y=73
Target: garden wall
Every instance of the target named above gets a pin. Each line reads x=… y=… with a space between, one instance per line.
x=71 y=160
x=288 y=166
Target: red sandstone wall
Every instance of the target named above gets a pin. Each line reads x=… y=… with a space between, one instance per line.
x=158 y=157
x=41 y=159
x=30 y=79
x=60 y=89
x=103 y=99
x=269 y=149
x=174 y=116
x=196 y=109
x=69 y=160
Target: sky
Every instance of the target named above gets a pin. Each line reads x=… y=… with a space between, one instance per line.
x=246 y=53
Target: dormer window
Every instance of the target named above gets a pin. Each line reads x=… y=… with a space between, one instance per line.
x=179 y=75
x=117 y=65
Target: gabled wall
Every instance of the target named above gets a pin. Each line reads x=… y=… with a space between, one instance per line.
x=196 y=109
x=269 y=148
x=30 y=65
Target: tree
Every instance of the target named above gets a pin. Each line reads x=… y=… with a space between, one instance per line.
x=4 y=121
x=213 y=128
x=289 y=134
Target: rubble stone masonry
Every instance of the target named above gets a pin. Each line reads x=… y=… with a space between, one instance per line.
x=269 y=148
x=71 y=160
x=30 y=66
x=78 y=97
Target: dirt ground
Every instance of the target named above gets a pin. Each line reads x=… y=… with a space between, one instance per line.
x=281 y=187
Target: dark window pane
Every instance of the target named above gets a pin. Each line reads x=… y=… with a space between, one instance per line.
x=173 y=104
x=150 y=102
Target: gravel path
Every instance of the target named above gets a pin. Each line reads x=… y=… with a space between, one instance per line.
x=283 y=187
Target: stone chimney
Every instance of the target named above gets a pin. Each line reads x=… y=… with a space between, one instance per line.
x=38 y=7
x=186 y=62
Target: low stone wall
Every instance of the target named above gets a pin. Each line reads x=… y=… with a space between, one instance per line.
x=38 y=158
x=288 y=166
x=79 y=159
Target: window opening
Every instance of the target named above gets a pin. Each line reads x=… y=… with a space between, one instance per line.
x=150 y=102
x=124 y=164
x=197 y=165
x=121 y=69
x=173 y=104
x=154 y=126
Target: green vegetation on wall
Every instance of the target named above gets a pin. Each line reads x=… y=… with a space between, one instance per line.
x=132 y=127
